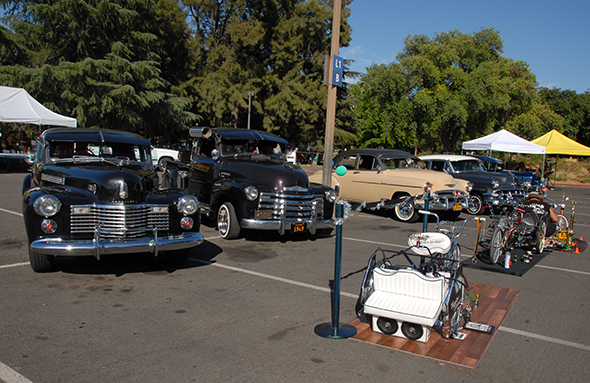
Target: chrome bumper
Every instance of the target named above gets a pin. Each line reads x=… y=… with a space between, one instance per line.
x=442 y=204
x=283 y=226
x=97 y=246
x=503 y=198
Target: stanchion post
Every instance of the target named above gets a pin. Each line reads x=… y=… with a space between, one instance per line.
x=334 y=330
x=427 y=189
x=426 y=203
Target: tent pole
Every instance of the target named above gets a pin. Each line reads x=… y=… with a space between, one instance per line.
x=543 y=167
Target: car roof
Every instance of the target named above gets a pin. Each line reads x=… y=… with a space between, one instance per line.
x=386 y=153
x=93 y=135
x=490 y=160
x=449 y=157
x=243 y=134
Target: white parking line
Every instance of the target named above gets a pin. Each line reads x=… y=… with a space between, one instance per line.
x=355 y=296
x=14 y=265
x=8 y=375
x=545 y=338
x=11 y=212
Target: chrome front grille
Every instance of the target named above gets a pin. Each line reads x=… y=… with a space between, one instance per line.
x=450 y=195
x=118 y=221
x=274 y=206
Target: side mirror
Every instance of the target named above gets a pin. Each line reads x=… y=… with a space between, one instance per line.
x=30 y=159
x=215 y=154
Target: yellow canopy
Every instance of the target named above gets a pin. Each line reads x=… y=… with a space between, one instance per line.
x=556 y=143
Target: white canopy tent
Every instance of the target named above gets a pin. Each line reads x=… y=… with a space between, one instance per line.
x=504 y=141
x=16 y=105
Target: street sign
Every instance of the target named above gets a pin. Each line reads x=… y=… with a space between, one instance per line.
x=337 y=71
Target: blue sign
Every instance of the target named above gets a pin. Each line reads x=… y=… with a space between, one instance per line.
x=337 y=72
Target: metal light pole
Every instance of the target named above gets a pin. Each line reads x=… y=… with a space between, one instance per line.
x=332 y=94
x=250 y=94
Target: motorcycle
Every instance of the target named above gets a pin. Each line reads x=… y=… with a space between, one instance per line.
x=517 y=227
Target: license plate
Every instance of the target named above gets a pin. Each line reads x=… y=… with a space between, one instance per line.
x=298 y=228
x=457 y=207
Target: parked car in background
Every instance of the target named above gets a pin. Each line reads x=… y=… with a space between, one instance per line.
x=489 y=189
x=94 y=192
x=528 y=179
x=159 y=155
x=243 y=181
x=381 y=174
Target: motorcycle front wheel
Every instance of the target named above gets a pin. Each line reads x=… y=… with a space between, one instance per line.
x=496 y=245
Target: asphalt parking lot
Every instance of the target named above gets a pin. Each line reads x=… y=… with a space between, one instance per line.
x=245 y=310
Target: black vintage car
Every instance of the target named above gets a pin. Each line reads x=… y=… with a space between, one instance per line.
x=242 y=179
x=93 y=192
x=528 y=179
x=490 y=190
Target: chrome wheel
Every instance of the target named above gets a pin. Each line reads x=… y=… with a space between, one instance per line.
x=541 y=238
x=227 y=222
x=474 y=204
x=496 y=245
x=404 y=211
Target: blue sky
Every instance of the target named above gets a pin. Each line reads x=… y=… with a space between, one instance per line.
x=553 y=37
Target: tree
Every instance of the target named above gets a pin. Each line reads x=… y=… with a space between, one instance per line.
x=446 y=90
x=575 y=110
x=110 y=63
x=382 y=107
x=275 y=49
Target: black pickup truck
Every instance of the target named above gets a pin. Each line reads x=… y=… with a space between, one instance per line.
x=242 y=180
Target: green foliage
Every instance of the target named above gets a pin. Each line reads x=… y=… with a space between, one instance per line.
x=575 y=110
x=446 y=90
x=111 y=64
x=272 y=48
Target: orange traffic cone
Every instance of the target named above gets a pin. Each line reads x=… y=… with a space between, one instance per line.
x=577 y=251
x=581 y=238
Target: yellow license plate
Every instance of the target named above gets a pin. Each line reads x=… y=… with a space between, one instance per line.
x=298 y=228
x=457 y=207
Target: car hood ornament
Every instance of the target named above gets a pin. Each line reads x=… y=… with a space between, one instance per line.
x=123 y=190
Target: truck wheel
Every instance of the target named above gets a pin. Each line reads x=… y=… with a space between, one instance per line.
x=27 y=183
x=162 y=161
x=227 y=221
x=41 y=263
x=475 y=204
x=405 y=212
x=178 y=257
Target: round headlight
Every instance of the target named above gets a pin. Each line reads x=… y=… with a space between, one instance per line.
x=469 y=187
x=427 y=187
x=251 y=192
x=47 y=205
x=331 y=195
x=495 y=184
x=187 y=205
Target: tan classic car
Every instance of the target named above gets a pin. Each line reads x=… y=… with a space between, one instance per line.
x=381 y=174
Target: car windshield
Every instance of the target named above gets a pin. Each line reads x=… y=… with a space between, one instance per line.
x=468 y=166
x=399 y=163
x=60 y=151
x=250 y=147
